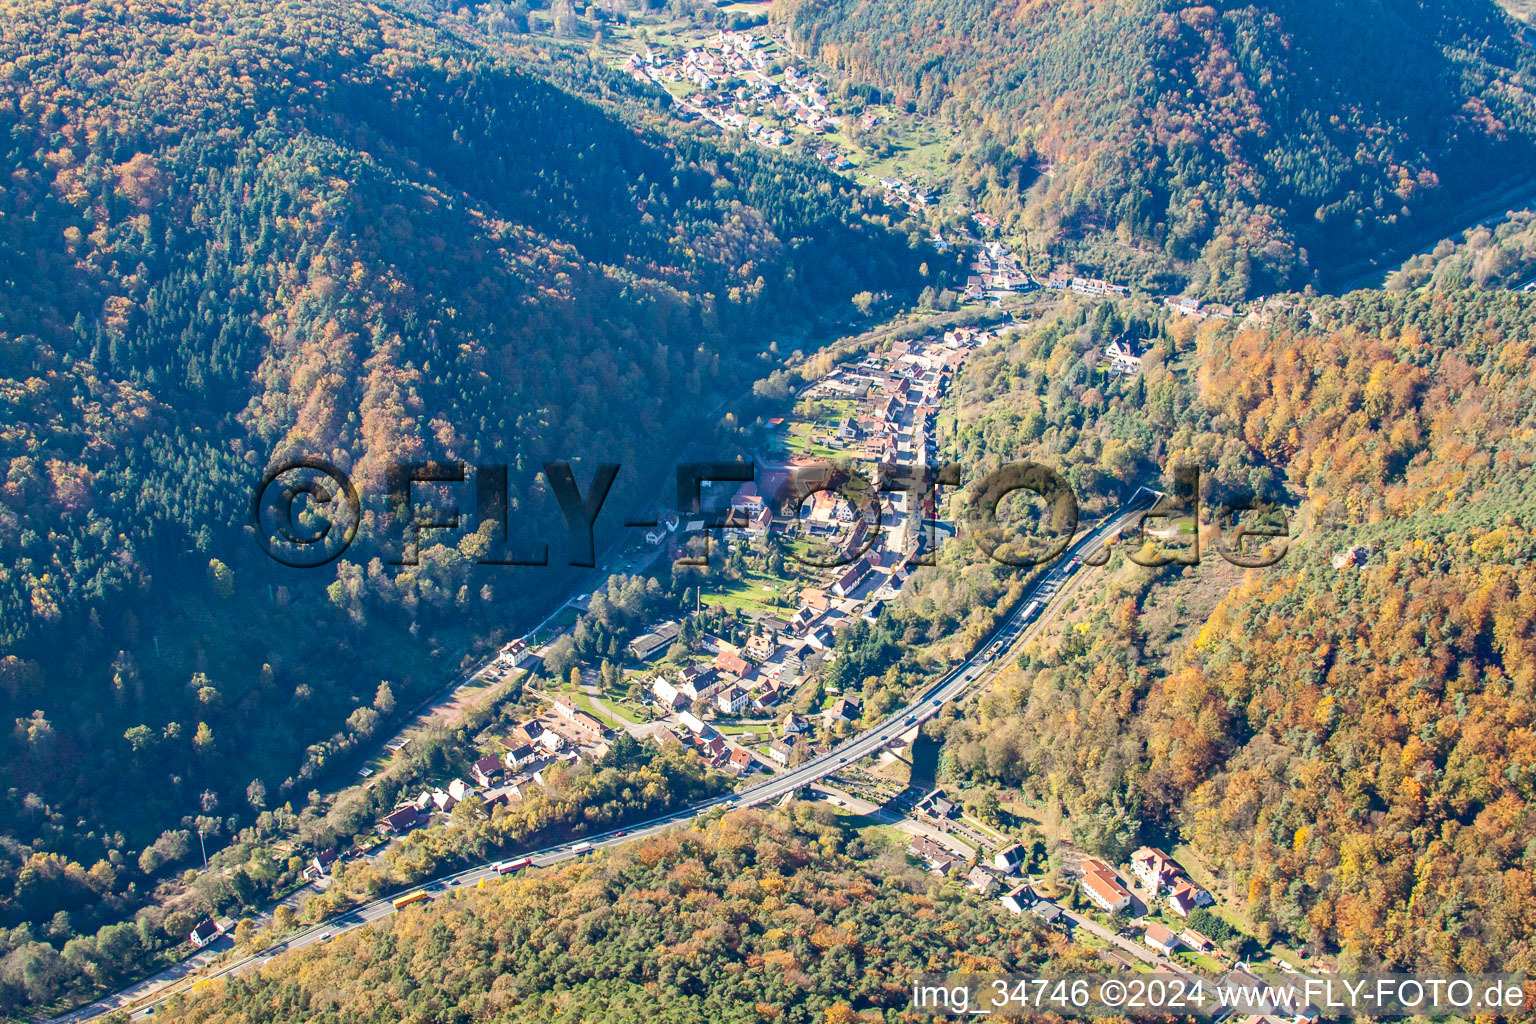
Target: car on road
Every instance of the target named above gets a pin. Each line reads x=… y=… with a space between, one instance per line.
x=937 y=701
x=911 y=719
x=454 y=882
x=621 y=832
x=325 y=936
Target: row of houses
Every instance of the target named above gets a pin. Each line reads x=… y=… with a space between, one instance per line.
x=706 y=741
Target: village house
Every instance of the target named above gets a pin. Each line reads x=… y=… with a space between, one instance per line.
x=320 y=865
x=668 y=695
x=1161 y=939
x=781 y=750
x=849 y=580
x=1122 y=356
x=842 y=710
x=1097 y=286
x=400 y=821
x=1185 y=305
x=731 y=700
x=692 y=680
x=1196 y=941
x=729 y=660
x=488 y=768
x=1018 y=899
x=762 y=646
x=741 y=760
x=815 y=598
x=1009 y=858
x=767 y=696
x=692 y=722
x=204 y=933
x=1153 y=869
x=980 y=880
x=938 y=859
x=514 y=654
x=1186 y=897
x=518 y=756
x=820 y=639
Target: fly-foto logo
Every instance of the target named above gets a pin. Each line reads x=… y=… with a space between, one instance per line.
x=305 y=512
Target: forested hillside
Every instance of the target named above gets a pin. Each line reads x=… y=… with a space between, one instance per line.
x=751 y=918
x=1261 y=141
x=232 y=232
x=1350 y=747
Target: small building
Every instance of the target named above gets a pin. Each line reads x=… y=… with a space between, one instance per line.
x=205 y=932
x=1196 y=941
x=668 y=695
x=693 y=722
x=979 y=879
x=488 y=768
x=842 y=710
x=1009 y=858
x=781 y=750
x=1161 y=939
x=1123 y=356
x=516 y=757
x=401 y=821
x=938 y=859
x=762 y=646
x=742 y=760
x=731 y=700
x=1018 y=899
x=1350 y=557
x=514 y=654
x=591 y=727
x=320 y=864
x=1047 y=911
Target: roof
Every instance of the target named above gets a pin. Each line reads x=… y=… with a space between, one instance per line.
x=405 y=817
x=1160 y=936
x=732 y=662
x=1107 y=889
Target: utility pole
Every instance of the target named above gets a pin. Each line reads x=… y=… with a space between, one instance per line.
x=204 y=847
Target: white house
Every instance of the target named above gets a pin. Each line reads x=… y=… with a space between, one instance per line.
x=1104 y=889
x=731 y=699
x=1153 y=869
x=1122 y=357
x=667 y=694
x=1161 y=939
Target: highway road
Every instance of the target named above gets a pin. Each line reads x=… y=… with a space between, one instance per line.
x=1023 y=621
